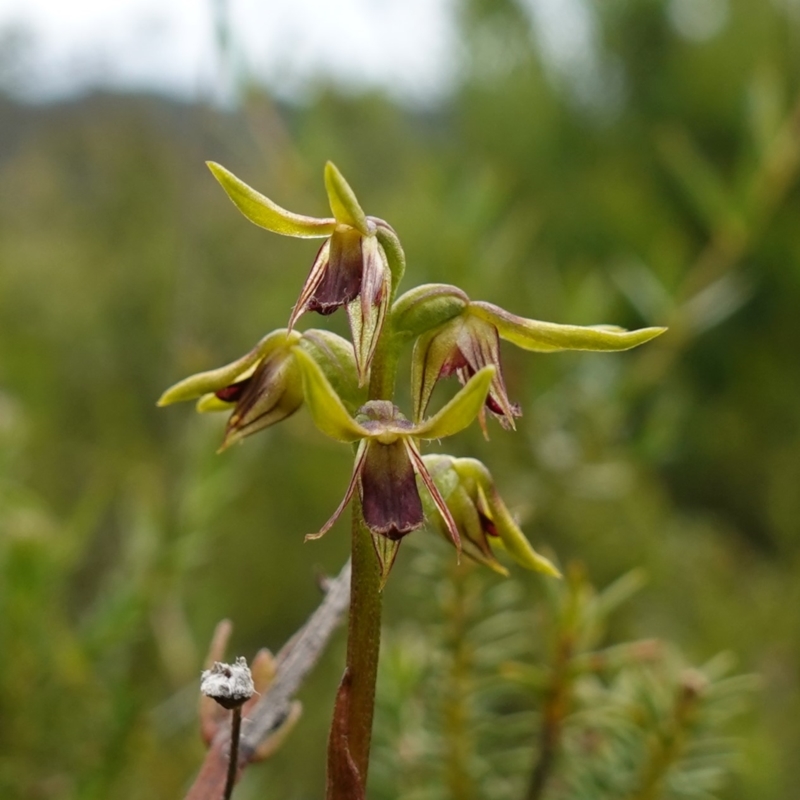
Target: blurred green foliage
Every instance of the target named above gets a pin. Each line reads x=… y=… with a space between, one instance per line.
x=653 y=182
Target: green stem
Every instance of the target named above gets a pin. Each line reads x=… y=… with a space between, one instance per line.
x=363 y=641
x=384 y=366
x=350 y=748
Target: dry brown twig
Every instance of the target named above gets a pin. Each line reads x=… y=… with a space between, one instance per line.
x=272 y=711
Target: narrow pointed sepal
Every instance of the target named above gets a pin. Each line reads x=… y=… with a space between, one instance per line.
x=514 y=540
x=343 y=202
x=482 y=519
x=213 y=380
x=390 y=242
x=386 y=551
x=460 y=411
x=355 y=479
x=367 y=313
x=326 y=407
x=428 y=359
x=446 y=516
x=309 y=288
x=266 y=214
x=550 y=337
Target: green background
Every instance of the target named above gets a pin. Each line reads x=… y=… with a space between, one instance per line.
x=659 y=186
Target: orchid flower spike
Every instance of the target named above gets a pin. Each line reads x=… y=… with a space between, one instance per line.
x=351 y=268
x=388 y=459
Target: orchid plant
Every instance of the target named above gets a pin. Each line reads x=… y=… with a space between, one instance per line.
x=349 y=387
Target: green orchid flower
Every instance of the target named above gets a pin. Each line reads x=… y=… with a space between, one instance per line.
x=388 y=460
x=484 y=522
x=457 y=336
x=351 y=269
x=265 y=385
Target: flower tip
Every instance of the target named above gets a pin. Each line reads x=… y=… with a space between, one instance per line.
x=230 y=439
x=171 y=396
x=551 y=570
x=216 y=169
x=344 y=205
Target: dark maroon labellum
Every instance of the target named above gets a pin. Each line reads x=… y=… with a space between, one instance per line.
x=232 y=393
x=341 y=282
x=391 y=502
x=487 y=525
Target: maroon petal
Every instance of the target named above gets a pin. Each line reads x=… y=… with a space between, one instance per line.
x=341 y=281
x=315 y=276
x=436 y=495
x=391 y=502
x=272 y=393
x=357 y=470
x=481 y=346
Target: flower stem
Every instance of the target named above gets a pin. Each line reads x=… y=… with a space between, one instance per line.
x=363 y=641
x=357 y=690
x=233 y=762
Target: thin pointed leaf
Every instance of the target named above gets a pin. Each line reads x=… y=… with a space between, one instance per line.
x=550 y=337
x=342 y=198
x=266 y=214
x=327 y=409
x=216 y=379
x=460 y=411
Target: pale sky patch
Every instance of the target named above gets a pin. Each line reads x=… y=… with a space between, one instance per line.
x=170 y=45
